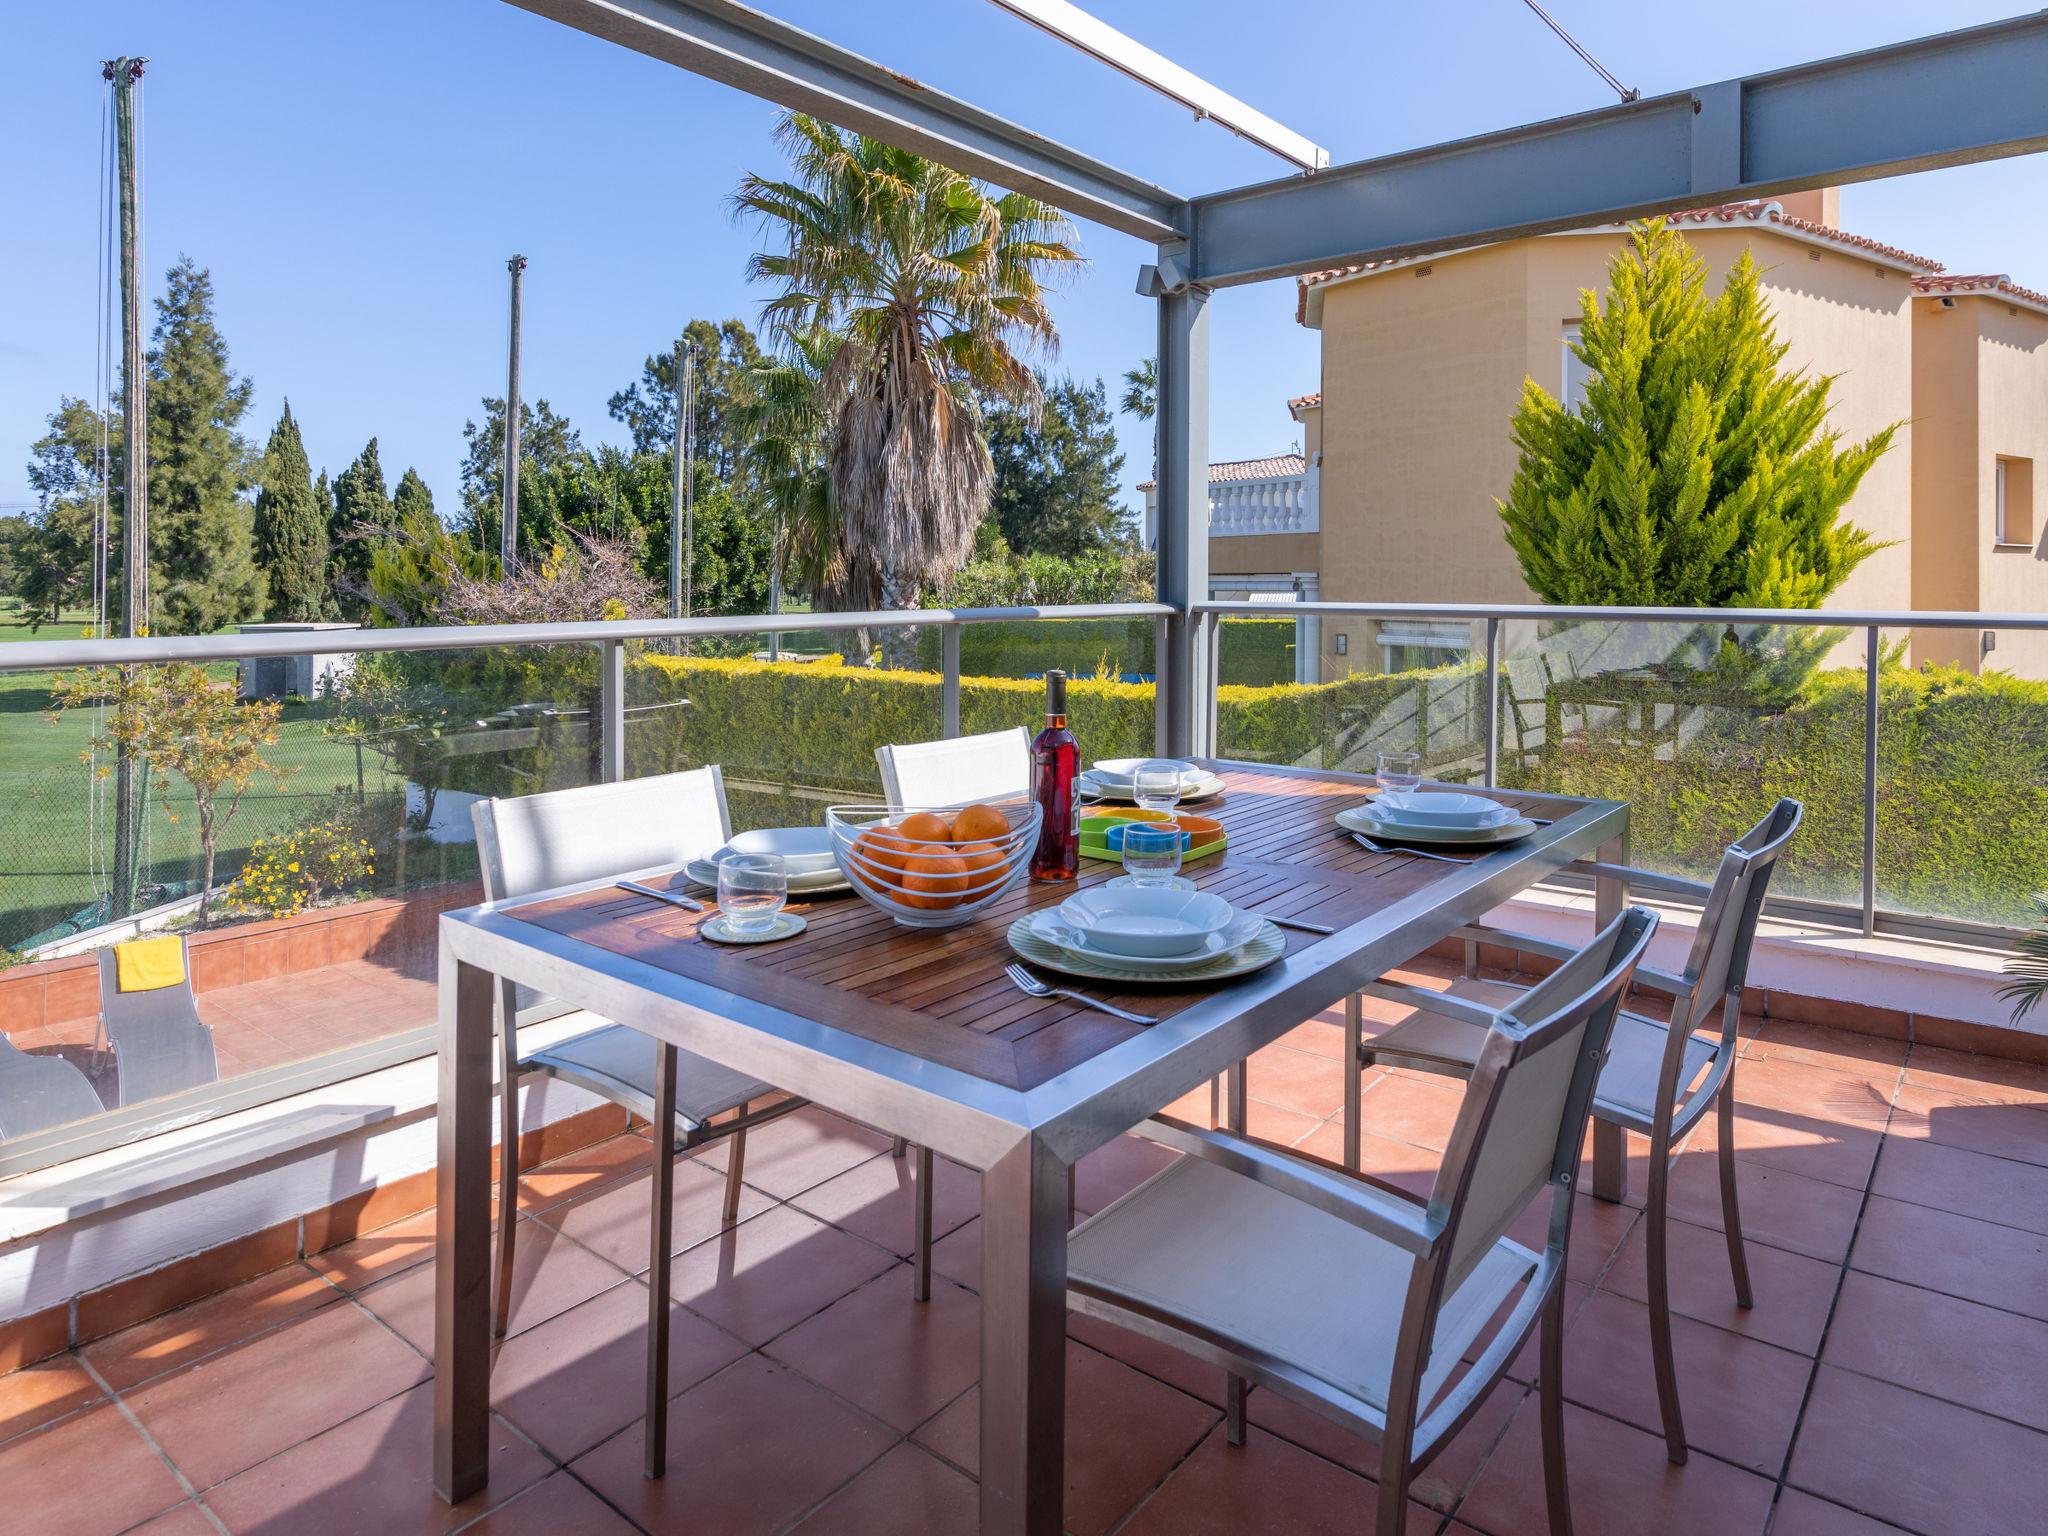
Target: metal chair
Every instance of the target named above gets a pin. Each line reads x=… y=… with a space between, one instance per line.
x=995 y=766
x=537 y=842
x=1353 y=1298
x=39 y=1093
x=1659 y=1080
x=160 y=1045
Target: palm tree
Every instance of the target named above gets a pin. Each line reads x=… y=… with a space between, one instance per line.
x=933 y=282
x=1141 y=389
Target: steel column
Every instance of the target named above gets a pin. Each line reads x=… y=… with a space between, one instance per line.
x=1183 y=550
x=1871 y=637
x=949 y=681
x=1492 y=738
x=611 y=710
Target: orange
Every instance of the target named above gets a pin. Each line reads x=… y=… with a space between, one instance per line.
x=985 y=867
x=934 y=884
x=979 y=824
x=873 y=848
x=925 y=827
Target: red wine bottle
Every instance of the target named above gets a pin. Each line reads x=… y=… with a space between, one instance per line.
x=1055 y=761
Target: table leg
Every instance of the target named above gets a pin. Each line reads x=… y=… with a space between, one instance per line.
x=1234 y=1091
x=660 y=1235
x=1610 y=1147
x=1023 y=1342
x=462 y=1243
x=1354 y=1040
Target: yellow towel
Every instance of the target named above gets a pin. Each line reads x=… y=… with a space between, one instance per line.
x=147 y=964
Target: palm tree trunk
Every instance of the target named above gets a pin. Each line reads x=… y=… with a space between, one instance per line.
x=899 y=642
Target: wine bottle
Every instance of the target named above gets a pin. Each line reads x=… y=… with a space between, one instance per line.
x=1055 y=762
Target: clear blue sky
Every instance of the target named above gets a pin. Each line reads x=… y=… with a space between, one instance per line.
x=355 y=175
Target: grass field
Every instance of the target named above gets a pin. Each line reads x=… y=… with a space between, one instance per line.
x=51 y=843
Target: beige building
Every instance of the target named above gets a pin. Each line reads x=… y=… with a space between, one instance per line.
x=1407 y=448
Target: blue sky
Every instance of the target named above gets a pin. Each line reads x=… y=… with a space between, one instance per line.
x=356 y=174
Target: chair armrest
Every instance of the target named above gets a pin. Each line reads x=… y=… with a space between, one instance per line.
x=1389 y=1217
x=1662 y=981
x=1422 y=998
x=1482 y=934
x=1649 y=877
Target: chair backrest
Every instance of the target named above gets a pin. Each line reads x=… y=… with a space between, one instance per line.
x=996 y=766
x=114 y=1003
x=1719 y=963
x=1524 y=1117
x=39 y=1093
x=537 y=842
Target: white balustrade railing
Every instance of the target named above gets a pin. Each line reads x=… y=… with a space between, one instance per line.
x=1272 y=504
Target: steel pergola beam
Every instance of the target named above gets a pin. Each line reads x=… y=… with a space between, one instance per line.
x=1950 y=99
x=740 y=47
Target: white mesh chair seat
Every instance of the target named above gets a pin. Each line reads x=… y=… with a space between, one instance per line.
x=619 y=1063
x=1627 y=1088
x=1332 y=1310
x=39 y=1093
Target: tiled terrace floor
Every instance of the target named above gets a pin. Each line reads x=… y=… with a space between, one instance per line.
x=1893 y=1375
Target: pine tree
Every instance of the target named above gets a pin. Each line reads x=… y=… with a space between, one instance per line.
x=361 y=517
x=202 y=549
x=1056 y=471
x=291 y=528
x=1699 y=473
x=412 y=501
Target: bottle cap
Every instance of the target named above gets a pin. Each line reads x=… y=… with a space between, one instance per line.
x=1055 y=692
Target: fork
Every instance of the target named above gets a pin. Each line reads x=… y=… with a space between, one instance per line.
x=1024 y=981
x=1414 y=853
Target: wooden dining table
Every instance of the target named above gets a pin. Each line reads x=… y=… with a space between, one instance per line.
x=918 y=1033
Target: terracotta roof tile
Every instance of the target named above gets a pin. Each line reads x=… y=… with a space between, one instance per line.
x=1300 y=401
x=1979 y=282
x=1272 y=467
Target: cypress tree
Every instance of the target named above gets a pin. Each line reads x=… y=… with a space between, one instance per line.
x=361 y=517
x=291 y=527
x=1700 y=473
x=202 y=568
x=412 y=501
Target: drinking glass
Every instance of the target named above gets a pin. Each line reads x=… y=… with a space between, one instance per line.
x=1156 y=785
x=1152 y=852
x=1400 y=772
x=752 y=888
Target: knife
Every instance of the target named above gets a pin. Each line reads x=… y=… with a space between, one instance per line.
x=673 y=898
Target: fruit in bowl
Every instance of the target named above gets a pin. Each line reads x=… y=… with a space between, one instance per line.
x=933 y=868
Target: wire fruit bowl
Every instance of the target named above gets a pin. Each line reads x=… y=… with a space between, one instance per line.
x=933 y=867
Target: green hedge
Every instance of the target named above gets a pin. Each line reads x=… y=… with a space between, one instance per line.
x=1252 y=652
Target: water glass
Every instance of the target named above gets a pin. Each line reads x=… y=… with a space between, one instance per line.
x=1399 y=773
x=1152 y=853
x=1156 y=785
x=752 y=889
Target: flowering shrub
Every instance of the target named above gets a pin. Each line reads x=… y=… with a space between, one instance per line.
x=299 y=869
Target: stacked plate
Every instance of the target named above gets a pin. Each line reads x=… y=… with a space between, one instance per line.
x=1111 y=779
x=806 y=854
x=1147 y=933
x=1438 y=816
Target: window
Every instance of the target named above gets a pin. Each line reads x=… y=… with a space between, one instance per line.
x=1576 y=374
x=2012 y=505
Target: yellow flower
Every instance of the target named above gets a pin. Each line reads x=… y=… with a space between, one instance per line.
x=293 y=866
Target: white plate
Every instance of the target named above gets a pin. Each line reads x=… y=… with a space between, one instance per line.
x=1047 y=927
x=803 y=850
x=1442 y=808
x=1144 y=923
x=1263 y=945
x=1206 y=788
x=820 y=882
x=1118 y=770
x=1362 y=820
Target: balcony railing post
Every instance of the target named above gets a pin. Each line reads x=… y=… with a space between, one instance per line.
x=949 y=683
x=1159 y=645
x=611 y=710
x=1213 y=674
x=1492 y=737
x=1871 y=638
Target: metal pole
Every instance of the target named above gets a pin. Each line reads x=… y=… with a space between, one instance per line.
x=688 y=408
x=508 y=528
x=130 y=782
x=775 y=589
x=949 y=681
x=611 y=711
x=1492 y=775
x=675 y=505
x=1871 y=637
x=1183 y=430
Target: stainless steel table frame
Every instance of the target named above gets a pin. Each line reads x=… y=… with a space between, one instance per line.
x=1023 y=1142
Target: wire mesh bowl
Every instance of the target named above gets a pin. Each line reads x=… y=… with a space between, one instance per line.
x=933 y=868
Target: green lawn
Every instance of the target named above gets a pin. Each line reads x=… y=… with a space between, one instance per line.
x=51 y=840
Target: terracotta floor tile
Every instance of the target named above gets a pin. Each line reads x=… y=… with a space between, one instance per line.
x=1322 y=1035
x=1400 y=1163
x=2018 y=1131
x=1621 y=1484
x=37 y=1394
x=1966 y=1183
x=1124 y=1432
x=1983 y=1358
x=1990 y=1079
x=1740 y=1398
x=1265 y=1487
x=1114 y=1170
x=612 y=1221
x=1783 y=1209
x=957 y=1255
x=1817 y=1045
x=230 y=1411
x=185 y=1520
x=380 y=1254
x=906 y=1490
x=1827 y=1095
x=88 y=1475
x=549 y=1276
x=1279 y=1127
x=1175 y=1367
x=163 y=1343
x=899 y=1359
x=1793 y=1293
x=772 y=1272
x=875 y=1200
x=1978 y=1260
x=1801 y=1514
x=1306 y=1083
x=788 y=1156
x=594 y=1166
x=1407 y=1108
x=556 y=1506
x=1798 y=1143
x=577 y=1377
x=1927 y=1465
x=748 y=1451
x=373 y=1473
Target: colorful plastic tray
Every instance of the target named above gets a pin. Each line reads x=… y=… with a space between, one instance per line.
x=1095 y=825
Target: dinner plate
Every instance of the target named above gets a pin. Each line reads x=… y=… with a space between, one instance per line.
x=1265 y=945
x=818 y=882
x=1361 y=819
x=1147 y=923
x=1443 y=808
x=1063 y=935
x=1206 y=788
x=803 y=850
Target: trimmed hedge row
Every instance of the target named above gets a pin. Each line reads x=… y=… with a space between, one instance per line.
x=1253 y=652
